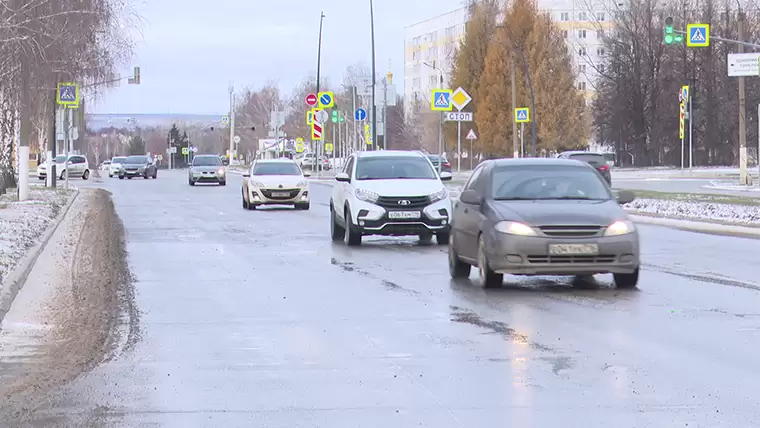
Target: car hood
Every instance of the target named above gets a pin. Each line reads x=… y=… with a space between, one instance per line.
x=134 y=165
x=275 y=181
x=552 y=212
x=205 y=168
x=400 y=187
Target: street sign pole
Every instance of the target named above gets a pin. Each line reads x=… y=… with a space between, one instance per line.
x=459 y=147
x=354 y=137
x=66 y=124
x=522 y=140
x=691 y=141
x=440 y=145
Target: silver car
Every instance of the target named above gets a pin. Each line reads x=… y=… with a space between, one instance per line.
x=542 y=217
x=207 y=169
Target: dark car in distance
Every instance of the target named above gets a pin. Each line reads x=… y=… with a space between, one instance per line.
x=597 y=160
x=138 y=166
x=440 y=160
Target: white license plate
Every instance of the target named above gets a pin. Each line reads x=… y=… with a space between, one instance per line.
x=280 y=194
x=404 y=214
x=567 y=249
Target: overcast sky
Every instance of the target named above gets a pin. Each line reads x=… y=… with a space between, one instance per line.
x=190 y=50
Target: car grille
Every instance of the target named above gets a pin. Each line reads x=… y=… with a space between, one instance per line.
x=395 y=202
x=292 y=193
x=544 y=260
x=571 y=231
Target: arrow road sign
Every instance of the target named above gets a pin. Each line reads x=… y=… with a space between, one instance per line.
x=522 y=115
x=309 y=117
x=460 y=98
x=441 y=100
x=326 y=100
x=471 y=135
x=311 y=100
x=698 y=35
x=459 y=116
x=360 y=114
x=67 y=94
x=744 y=64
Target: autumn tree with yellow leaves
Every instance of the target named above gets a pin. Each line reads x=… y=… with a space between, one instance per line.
x=528 y=41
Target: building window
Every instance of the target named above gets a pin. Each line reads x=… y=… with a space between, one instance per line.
x=582 y=16
x=448 y=49
x=599 y=34
x=451 y=31
x=582 y=51
x=417 y=41
x=600 y=16
x=433 y=81
x=601 y=68
x=582 y=86
x=416 y=82
x=415 y=55
x=564 y=33
x=564 y=16
x=582 y=68
x=600 y=51
x=581 y=34
x=431 y=52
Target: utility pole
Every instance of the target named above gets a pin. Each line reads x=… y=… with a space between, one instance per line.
x=232 y=125
x=374 y=74
x=514 y=106
x=385 y=113
x=354 y=137
x=743 y=176
x=52 y=134
x=319 y=49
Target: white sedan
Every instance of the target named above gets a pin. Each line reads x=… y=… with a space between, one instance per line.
x=275 y=182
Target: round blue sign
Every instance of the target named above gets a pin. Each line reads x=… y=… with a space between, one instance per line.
x=325 y=99
x=360 y=114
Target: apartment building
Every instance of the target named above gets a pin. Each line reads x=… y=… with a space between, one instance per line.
x=431 y=43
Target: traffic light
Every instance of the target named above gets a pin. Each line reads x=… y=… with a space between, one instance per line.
x=335 y=116
x=136 y=77
x=669 y=35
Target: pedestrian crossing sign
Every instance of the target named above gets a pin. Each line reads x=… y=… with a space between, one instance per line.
x=698 y=35
x=522 y=115
x=441 y=100
x=67 y=94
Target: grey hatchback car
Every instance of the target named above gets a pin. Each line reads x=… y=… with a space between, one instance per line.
x=207 y=169
x=542 y=217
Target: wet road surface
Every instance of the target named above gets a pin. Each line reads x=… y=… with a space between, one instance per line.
x=256 y=319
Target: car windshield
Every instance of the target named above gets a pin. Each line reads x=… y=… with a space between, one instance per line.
x=592 y=158
x=207 y=161
x=394 y=167
x=118 y=160
x=547 y=182
x=136 y=160
x=436 y=158
x=60 y=159
x=276 y=168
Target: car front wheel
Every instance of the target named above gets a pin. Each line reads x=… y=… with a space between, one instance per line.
x=457 y=268
x=488 y=278
x=353 y=237
x=337 y=232
x=627 y=280
x=86 y=174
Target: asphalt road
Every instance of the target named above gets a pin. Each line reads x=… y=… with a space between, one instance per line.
x=256 y=319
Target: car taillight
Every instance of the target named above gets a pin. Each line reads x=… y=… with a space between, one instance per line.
x=604 y=168
x=446 y=164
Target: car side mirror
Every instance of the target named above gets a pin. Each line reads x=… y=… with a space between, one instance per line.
x=246 y=174
x=625 y=197
x=471 y=197
x=343 y=177
x=446 y=176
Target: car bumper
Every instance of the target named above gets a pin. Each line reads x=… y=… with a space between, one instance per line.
x=208 y=178
x=131 y=173
x=529 y=255
x=259 y=196
x=373 y=219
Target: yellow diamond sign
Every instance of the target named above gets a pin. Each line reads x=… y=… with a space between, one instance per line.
x=460 y=98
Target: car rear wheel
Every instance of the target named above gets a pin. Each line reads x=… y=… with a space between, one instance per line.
x=627 y=280
x=121 y=177
x=457 y=268
x=337 y=232
x=488 y=278
x=86 y=174
x=352 y=237
x=442 y=238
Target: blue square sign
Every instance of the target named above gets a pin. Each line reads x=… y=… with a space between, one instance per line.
x=698 y=35
x=67 y=94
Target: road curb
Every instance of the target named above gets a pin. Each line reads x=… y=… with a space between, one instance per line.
x=13 y=283
x=698 y=226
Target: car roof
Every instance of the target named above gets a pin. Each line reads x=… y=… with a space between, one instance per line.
x=389 y=153
x=205 y=156
x=278 y=160
x=580 y=152
x=534 y=162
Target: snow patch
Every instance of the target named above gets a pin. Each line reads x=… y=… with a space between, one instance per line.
x=22 y=223
x=731 y=213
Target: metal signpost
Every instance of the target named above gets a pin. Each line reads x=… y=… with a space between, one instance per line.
x=472 y=137
x=441 y=101
x=460 y=98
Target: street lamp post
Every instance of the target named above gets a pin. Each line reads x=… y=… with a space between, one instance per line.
x=440 y=129
x=374 y=76
x=526 y=70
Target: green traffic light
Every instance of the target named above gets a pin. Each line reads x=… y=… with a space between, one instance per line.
x=669 y=39
x=678 y=38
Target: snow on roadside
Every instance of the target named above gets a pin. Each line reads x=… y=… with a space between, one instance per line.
x=748 y=215
x=22 y=223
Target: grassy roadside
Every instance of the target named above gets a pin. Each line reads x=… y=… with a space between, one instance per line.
x=696 y=197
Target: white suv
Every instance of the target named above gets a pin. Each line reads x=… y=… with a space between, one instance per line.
x=390 y=193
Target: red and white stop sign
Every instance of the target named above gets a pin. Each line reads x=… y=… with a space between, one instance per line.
x=311 y=99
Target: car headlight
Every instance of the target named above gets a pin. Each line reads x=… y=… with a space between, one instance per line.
x=220 y=171
x=256 y=184
x=438 y=196
x=366 y=195
x=621 y=227
x=301 y=184
x=515 y=228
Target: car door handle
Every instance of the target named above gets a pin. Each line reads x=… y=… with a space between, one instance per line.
x=466 y=210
